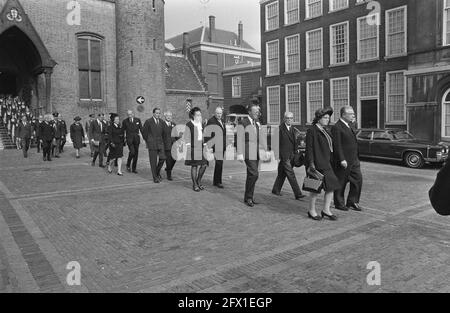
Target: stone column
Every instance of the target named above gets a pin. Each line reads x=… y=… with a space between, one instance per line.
x=48 y=89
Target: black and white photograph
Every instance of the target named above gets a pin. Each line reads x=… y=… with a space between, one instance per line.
x=224 y=152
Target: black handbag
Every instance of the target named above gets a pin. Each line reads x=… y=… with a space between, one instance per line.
x=299 y=158
x=313 y=181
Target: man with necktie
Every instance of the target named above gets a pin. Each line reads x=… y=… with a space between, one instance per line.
x=215 y=123
x=249 y=143
x=47 y=134
x=169 y=125
x=132 y=127
x=286 y=166
x=25 y=131
x=88 y=128
x=98 y=139
x=153 y=136
x=346 y=161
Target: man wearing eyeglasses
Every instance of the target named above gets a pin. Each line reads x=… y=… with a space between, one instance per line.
x=286 y=165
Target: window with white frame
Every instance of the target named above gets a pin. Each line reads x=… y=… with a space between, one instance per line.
x=273 y=105
x=273 y=58
x=272 y=16
x=446 y=40
x=336 y=5
x=367 y=38
x=314 y=98
x=339 y=90
x=339 y=44
x=236 y=90
x=313 y=8
x=396 y=98
x=368 y=86
x=292 y=11
x=314 y=55
x=396 y=32
x=292 y=48
x=293 y=101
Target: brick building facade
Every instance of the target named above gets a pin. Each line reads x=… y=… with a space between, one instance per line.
x=428 y=75
x=332 y=53
x=212 y=50
x=114 y=55
x=241 y=87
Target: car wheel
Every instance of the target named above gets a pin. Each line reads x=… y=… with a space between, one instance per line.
x=414 y=160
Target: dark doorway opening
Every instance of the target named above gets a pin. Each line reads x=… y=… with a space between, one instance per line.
x=369 y=113
x=8 y=84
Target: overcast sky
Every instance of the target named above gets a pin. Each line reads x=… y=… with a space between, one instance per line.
x=185 y=15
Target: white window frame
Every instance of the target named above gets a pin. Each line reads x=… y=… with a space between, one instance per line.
x=331 y=9
x=358 y=29
x=405 y=8
x=444 y=23
x=307 y=16
x=443 y=113
x=359 y=98
x=267 y=58
x=234 y=95
x=336 y=111
x=307 y=49
x=288 y=109
x=308 y=107
x=278 y=121
x=267 y=17
x=286 y=13
x=389 y=122
x=286 y=63
x=347 y=61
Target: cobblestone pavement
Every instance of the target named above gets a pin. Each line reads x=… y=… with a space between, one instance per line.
x=130 y=235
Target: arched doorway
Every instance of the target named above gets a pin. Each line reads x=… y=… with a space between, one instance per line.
x=8 y=84
x=23 y=58
x=445 y=131
x=20 y=64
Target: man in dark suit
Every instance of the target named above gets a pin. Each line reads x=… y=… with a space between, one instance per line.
x=169 y=125
x=346 y=161
x=153 y=136
x=132 y=127
x=219 y=148
x=98 y=139
x=63 y=130
x=47 y=134
x=37 y=126
x=249 y=143
x=88 y=128
x=25 y=133
x=286 y=166
x=439 y=193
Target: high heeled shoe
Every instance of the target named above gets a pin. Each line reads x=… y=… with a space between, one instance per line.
x=330 y=217
x=315 y=218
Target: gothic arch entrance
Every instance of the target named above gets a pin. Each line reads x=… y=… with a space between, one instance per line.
x=25 y=64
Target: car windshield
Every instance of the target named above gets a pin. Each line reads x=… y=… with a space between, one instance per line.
x=403 y=135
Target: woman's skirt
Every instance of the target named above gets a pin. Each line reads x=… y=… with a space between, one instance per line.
x=116 y=151
x=195 y=159
x=330 y=181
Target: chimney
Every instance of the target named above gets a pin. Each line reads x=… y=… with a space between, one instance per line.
x=185 y=44
x=240 y=33
x=212 y=28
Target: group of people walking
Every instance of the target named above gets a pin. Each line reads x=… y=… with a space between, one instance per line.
x=13 y=110
x=330 y=154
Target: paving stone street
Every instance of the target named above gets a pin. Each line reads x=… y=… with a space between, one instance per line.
x=130 y=235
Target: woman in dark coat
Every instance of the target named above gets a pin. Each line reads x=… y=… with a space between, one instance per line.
x=319 y=157
x=77 y=135
x=194 y=139
x=116 y=139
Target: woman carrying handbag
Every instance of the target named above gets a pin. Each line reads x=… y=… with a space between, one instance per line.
x=319 y=169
